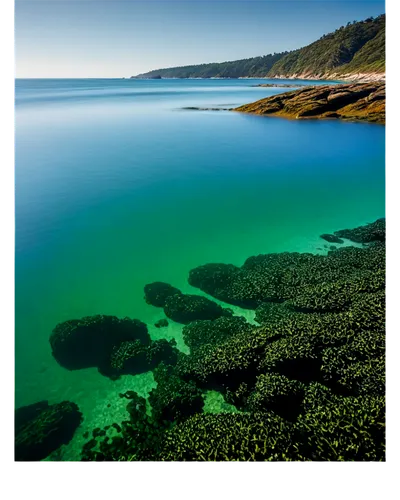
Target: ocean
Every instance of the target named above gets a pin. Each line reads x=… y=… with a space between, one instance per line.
x=118 y=186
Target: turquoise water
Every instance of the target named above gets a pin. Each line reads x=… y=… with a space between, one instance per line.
x=117 y=186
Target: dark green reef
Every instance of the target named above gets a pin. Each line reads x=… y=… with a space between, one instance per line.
x=307 y=382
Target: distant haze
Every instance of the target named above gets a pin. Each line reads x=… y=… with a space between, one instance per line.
x=112 y=38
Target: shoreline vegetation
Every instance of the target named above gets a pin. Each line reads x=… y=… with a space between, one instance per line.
x=355 y=52
x=305 y=383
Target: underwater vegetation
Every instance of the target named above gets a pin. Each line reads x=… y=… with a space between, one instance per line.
x=182 y=308
x=308 y=381
x=41 y=428
x=115 y=346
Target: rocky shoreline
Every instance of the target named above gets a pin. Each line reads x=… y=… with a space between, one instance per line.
x=365 y=77
x=351 y=102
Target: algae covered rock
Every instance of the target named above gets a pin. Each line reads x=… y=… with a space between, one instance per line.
x=162 y=323
x=214 y=279
x=88 y=342
x=331 y=238
x=343 y=429
x=277 y=393
x=40 y=429
x=132 y=357
x=228 y=363
x=184 y=308
x=138 y=438
x=269 y=313
x=136 y=407
x=200 y=333
x=174 y=398
x=128 y=357
x=229 y=437
x=162 y=351
x=376 y=231
x=279 y=277
x=157 y=293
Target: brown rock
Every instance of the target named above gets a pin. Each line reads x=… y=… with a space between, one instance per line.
x=338 y=95
x=354 y=101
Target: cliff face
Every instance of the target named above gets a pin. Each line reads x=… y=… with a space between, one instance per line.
x=355 y=52
x=355 y=102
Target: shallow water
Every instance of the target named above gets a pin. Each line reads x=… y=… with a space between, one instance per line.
x=117 y=186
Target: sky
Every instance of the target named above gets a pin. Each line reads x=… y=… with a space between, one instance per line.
x=113 y=38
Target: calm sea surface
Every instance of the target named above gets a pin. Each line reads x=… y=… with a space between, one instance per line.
x=118 y=186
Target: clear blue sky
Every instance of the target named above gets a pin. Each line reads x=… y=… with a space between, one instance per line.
x=112 y=38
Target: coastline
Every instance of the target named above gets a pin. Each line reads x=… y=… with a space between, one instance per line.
x=334 y=78
x=340 y=77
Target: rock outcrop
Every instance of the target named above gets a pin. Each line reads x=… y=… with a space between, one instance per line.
x=354 y=102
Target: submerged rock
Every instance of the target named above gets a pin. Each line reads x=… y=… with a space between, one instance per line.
x=286 y=276
x=207 y=332
x=174 y=398
x=376 y=231
x=186 y=308
x=88 y=342
x=132 y=357
x=162 y=323
x=331 y=238
x=272 y=312
x=158 y=292
x=136 y=407
x=41 y=428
